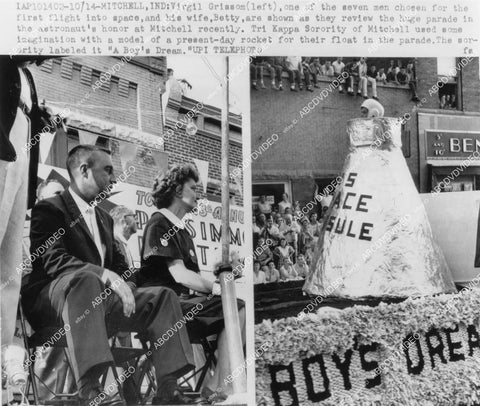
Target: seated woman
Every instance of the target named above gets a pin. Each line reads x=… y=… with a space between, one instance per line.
x=282 y=252
x=263 y=254
x=301 y=267
x=287 y=272
x=271 y=273
x=168 y=259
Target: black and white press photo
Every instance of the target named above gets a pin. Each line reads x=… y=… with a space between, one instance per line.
x=193 y=214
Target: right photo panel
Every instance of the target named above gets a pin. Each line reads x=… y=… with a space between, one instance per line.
x=366 y=221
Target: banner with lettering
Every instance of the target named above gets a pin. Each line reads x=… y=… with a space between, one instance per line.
x=205 y=227
x=423 y=351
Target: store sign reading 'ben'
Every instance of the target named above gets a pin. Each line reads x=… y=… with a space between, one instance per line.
x=452 y=144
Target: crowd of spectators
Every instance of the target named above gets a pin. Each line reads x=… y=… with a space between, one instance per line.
x=284 y=240
x=355 y=76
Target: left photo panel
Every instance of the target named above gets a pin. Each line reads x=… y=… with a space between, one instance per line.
x=124 y=230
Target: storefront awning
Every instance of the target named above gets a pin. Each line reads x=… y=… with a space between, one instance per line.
x=465 y=163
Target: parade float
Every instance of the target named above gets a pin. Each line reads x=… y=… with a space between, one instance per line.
x=403 y=335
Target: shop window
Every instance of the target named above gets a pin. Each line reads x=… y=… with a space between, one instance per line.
x=214 y=192
x=460 y=184
x=443 y=180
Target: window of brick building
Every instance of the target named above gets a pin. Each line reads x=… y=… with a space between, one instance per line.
x=272 y=191
x=214 y=192
x=449 y=95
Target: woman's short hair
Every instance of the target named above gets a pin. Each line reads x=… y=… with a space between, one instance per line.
x=166 y=184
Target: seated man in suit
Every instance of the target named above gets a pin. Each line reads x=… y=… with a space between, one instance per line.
x=77 y=282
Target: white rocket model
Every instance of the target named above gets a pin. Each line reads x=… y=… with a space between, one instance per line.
x=376 y=239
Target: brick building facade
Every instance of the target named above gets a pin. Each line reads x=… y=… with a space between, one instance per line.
x=313 y=148
x=128 y=108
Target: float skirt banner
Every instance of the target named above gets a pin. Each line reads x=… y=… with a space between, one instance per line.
x=423 y=351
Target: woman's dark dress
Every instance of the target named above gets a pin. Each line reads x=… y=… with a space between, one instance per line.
x=164 y=242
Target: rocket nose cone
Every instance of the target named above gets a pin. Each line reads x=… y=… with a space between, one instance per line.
x=381 y=133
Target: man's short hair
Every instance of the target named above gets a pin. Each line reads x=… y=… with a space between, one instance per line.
x=79 y=153
x=118 y=213
x=44 y=183
x=166 y=184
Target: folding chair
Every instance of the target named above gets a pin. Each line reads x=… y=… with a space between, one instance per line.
x=209 y=346
x=145 y=381
x=121 y=355
x=37 y=339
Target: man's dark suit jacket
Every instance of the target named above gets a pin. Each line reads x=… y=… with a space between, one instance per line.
x=74 y=251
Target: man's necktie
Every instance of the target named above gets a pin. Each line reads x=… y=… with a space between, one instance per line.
x=94 y=230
